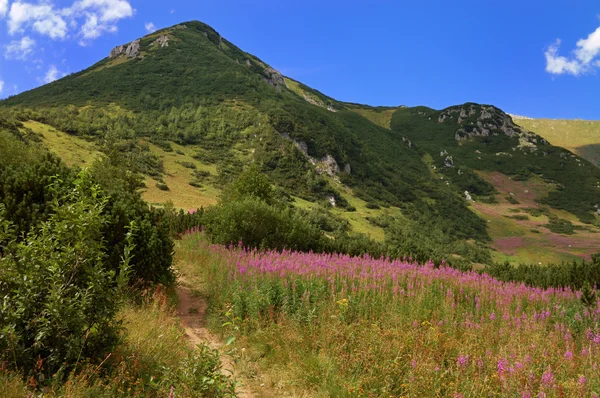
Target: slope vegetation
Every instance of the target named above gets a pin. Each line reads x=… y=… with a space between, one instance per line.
x=581 y=137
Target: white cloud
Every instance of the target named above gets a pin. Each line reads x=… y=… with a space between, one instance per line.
x=1 y=86
x=3 y=8
x=94 y=17
x=557 y=64
x=583 y=59
x=150 y=27
x=19 y=49
x=53 y=74
x=42 y=17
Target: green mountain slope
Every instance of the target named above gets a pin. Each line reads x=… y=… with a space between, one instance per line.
x=201 y=91
x=193 y=110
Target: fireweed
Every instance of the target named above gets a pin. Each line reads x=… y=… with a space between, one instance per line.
x=362 y=326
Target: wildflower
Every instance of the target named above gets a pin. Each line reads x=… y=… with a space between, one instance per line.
x=569 y=355
x=582 y=380
x=502 y=366
x=526 y=394
x=462 y=361
x=493 y=316
x=548 y=377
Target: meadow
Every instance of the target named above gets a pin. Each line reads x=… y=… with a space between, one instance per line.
x=335 y=325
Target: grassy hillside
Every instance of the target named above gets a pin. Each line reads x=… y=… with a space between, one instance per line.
x=581 y=137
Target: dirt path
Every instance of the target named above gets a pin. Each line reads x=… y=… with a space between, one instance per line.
x=191 y=309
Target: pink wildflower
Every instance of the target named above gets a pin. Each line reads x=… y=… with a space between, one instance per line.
x=548 y=377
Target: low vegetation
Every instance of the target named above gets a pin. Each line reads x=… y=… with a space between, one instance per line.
x=345 y=326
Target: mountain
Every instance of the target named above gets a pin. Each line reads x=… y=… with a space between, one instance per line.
x=193 y=110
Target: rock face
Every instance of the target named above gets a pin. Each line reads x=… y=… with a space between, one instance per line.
x=131 y=50
x=115 y=52
x=328 y=165
x=482 y=121
x=162 y=41
x=274 y=78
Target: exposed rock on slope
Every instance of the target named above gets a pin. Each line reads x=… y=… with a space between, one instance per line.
x=274 y=78
x=482 y=121
x=131 y=50
x=162 y=41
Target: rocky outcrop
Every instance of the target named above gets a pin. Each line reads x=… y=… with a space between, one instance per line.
x=348 y=169
x=274 y=78
x=331 y=200
x=328 y=165
x=131 y=50
x=162 y=41
x=115 y=52
x=481 y=121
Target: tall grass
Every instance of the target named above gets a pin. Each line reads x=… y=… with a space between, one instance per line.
x=153 y=360
x=345 y=326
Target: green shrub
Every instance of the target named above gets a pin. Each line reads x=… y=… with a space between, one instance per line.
x=257 y=224
x=560 y=226
x=60 y=297
x=511 y=199
x=162 y=186
x=188 y=165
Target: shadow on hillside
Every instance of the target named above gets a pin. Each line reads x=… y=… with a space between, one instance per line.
x=590 y=152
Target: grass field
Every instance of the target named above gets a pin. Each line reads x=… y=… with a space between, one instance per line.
x=73 y=150
x=579 y=136
x=178 y=178
x=326 y=325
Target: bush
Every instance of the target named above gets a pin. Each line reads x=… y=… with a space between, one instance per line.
x=560 y=226
x=258 y=225
x=511 y=199
x=60 y=298
x=188 y=165
x=162 y=186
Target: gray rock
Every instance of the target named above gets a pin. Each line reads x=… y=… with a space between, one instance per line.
x=274 y=78
x=468 y=196
x=328 y=165
x=133 y=49
x=347 y=168
x=162 y=41
x=331 y=199
x=115 y=52
x=449 y=162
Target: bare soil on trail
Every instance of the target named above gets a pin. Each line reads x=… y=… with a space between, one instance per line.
x=191 y=309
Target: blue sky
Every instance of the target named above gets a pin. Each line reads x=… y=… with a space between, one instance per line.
x=529 y=57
